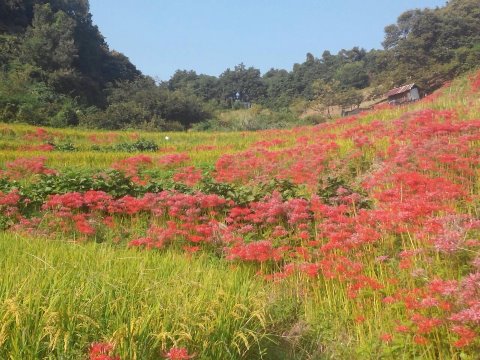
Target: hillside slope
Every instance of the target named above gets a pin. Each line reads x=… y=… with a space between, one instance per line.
x=357 y=238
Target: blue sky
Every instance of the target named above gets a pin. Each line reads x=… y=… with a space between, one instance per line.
x=208 y=36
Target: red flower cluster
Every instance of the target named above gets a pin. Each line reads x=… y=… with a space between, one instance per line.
x=475 y=82
x=173 y=159
x=176 y=353
x=40 y=134
x=102 y=351
x=133 y=167
x=9 y=204
x=188 y=175
x=22 y=168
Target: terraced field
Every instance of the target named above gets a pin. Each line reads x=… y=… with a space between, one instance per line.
x=357 y=238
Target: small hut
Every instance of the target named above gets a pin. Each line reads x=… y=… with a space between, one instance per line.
x=403 y=94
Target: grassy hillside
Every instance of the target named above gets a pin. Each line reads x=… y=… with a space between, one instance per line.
x=356 y=238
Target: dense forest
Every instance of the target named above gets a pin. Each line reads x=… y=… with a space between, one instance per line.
x=57 y=70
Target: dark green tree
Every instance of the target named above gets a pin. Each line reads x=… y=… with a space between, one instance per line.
x=353 y=75
x=49 y=42
x=245 y=81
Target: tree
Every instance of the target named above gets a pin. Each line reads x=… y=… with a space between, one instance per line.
x=278 y=92
x=406 y=22
x=203 y=86
x=326 y=95
x=49 y=42
x=303 y=75
x=15 y=15
x=117 y=67
x=245 y=81
x=183 y=108
x=148 y=102
x=182 y=79
x=350 y=98
x=353 y=75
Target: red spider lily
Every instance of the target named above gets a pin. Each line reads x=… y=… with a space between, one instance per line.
x=443 y=287
x=9 y=204
x=267 y=144
x=469 y=292
x=469 y=315
x=102 y=351
x=259 y=251
x=188 y=175
x=402 y=329
x=10 y=199
x=360 y=319
x=134 y=166
x=301 y=164
x=387 y=338
x=466 y=334
x=311 y=270
x=39 y=134
x=452 y=234
x=25 y=167
x=158 y=237
x=424 y=324
x=389 y=300
x=178 y=354
x=97 y=200
x=419 y=174
x=82 y=224
x=191 y=249
x=173 y=159
x=420 y=340
x=68 y=201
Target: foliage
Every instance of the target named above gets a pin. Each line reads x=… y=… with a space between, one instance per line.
x=255 y=118
x=66 y=146
x=141 y=145
x=355 y=238
x=49 y=42
x=57 y=70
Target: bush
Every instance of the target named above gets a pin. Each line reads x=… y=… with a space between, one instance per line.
x=65 y=117
x=313 y=119
x=140 y=145
x=67 y=146
x=255 y=118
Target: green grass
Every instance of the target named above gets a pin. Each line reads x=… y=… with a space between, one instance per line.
x=59 y=297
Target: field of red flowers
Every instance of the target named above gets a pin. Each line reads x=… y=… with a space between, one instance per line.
x=367 y=226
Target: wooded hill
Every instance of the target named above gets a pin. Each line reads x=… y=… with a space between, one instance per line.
x=58 y=70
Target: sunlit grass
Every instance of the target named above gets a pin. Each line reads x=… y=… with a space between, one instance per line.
x=59 y=297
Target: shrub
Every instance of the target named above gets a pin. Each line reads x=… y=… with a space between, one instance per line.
x=140 y=145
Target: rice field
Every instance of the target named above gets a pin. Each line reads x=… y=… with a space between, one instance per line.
x=353 y=239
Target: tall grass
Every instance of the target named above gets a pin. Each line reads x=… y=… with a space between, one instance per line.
x=56 y=298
